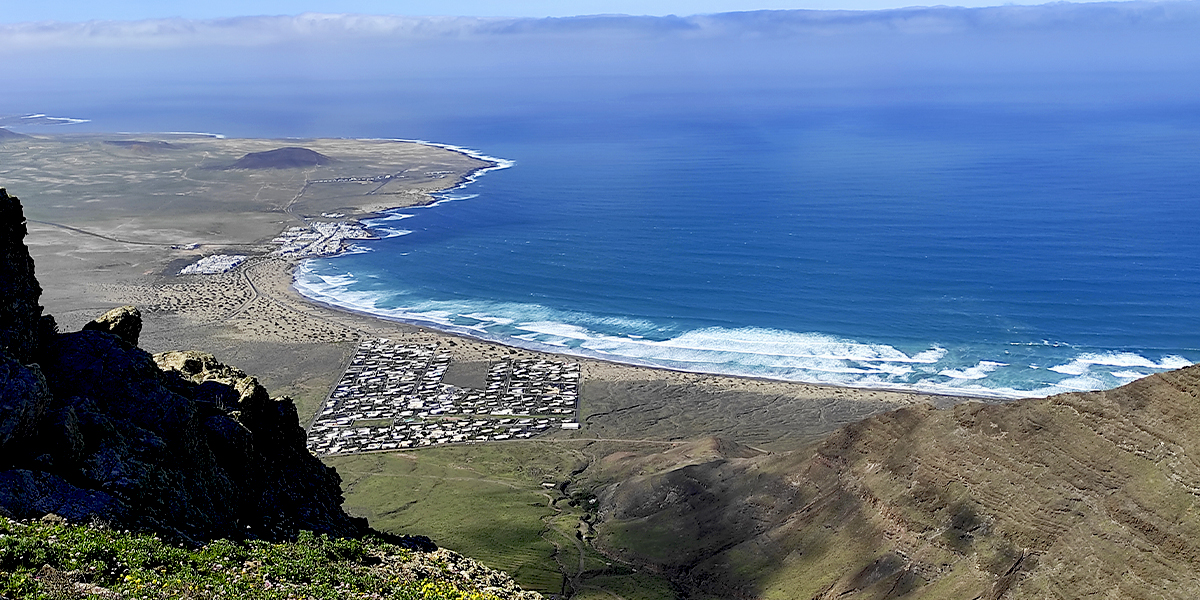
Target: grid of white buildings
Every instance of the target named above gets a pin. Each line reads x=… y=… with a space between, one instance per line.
x=392 y=397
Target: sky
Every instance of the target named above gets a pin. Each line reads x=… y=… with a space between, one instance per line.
x=18 y=11
x=341 y=72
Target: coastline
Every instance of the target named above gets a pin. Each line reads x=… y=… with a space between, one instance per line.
x=253 y=318
x=494 y=164
x=370 y=187
x=549 y=350
x=641 y=387
x=749 y=352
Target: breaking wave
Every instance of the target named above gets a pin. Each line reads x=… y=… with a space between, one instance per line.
x=813 y=357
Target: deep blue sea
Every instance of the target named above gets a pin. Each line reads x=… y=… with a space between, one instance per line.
x=897 y=199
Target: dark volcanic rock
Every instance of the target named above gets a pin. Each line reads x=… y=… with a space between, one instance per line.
x=191 y=449
x=110 y=435
x=42 y=493
x=19 y=289
x=124 y=322
x=24 y=398
x=282 y=158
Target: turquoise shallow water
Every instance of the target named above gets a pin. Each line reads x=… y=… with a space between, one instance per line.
x=996 y=253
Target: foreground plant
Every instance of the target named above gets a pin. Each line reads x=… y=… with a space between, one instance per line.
x=50 y=559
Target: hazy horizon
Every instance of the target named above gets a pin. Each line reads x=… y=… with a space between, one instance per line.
x=72 y=11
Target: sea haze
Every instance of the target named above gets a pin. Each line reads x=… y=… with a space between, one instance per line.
x=991 y=201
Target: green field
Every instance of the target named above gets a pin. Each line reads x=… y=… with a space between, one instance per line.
x=513 y=506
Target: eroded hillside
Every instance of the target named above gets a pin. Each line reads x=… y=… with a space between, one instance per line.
x=1073 y=496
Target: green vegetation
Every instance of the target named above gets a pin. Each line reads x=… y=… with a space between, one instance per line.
x=502 y=504
x=42 y=560
x=485 y=501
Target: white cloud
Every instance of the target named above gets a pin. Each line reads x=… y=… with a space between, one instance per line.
x=344 y=28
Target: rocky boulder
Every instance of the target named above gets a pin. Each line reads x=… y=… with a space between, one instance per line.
x=24 y=397
x=124 y=322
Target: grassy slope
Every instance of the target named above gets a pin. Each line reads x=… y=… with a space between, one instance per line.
x=487 y=501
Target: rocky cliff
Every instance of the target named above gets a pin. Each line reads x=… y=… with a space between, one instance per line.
x=93 y=428
x=20 y=314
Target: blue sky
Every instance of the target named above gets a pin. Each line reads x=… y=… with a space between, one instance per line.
x=17 y=11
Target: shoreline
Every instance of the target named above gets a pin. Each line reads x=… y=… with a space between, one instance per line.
x=329 y=302
x=550 y=350
x=640 y=385
x=374 y=179
x=1001 y=394
x=253 y=318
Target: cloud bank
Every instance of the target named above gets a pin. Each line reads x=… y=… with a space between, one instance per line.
x=1177 y=17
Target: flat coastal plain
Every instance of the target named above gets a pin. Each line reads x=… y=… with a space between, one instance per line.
x=113 y=219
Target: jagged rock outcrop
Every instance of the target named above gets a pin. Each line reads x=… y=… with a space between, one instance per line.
x=191 y=449
x=119 y=439
x=20 y=313
x=124 y=322
x=24 y=398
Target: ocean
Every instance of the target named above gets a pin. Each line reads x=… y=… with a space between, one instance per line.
x=999 y=231
x=992 y=253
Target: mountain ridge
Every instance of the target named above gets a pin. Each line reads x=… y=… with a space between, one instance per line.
x=1069 y=496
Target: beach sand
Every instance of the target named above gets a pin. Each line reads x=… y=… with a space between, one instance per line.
x=99 y=244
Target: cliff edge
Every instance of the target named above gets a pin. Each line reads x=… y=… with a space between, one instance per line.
x=93 y=428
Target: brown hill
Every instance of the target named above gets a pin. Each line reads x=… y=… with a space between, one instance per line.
x=5 y=134
x=282 y=158
x=1074 y=496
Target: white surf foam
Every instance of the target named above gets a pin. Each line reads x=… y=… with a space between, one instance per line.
x=754 y=352
x=979 y=371
x=1084 y=362
x=388 y=233
x=388 y=217
x=1128 y=374
x=219 y=136
x=498 y=163
x=43 y=119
